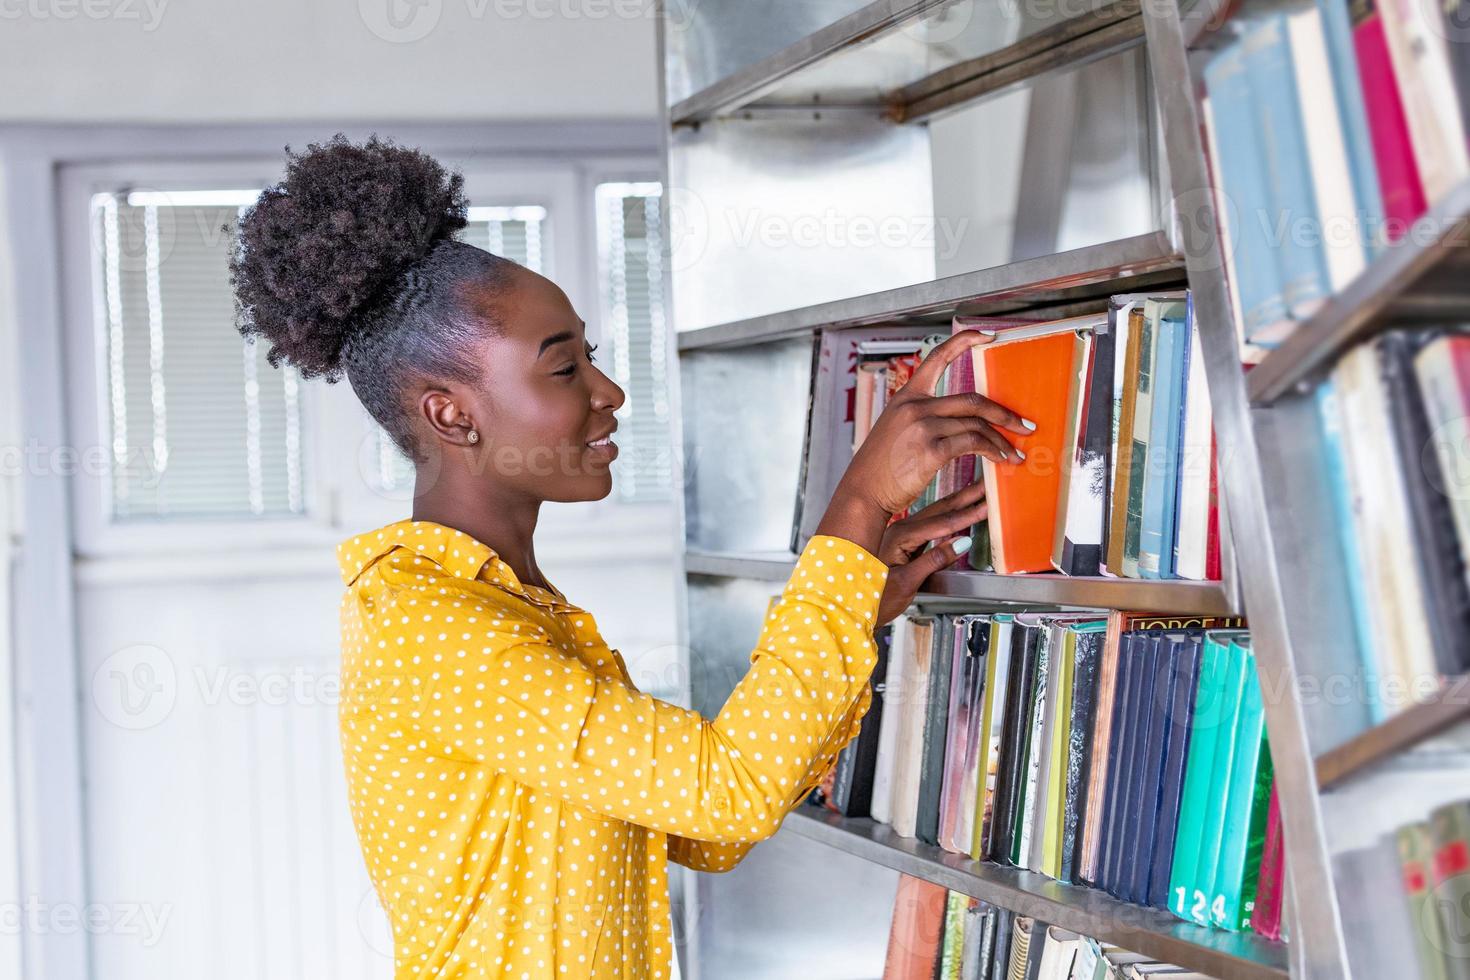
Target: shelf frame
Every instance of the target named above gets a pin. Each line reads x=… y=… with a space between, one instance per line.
x=1093 y=273
x=1450 y=706
x=1389 y=292
x=1086 y=911
x=1182 y=597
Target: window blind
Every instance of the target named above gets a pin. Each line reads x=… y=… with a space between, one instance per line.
x=198 y=424
x=630 y=281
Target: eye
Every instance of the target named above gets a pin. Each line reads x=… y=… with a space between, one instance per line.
x=590 y=358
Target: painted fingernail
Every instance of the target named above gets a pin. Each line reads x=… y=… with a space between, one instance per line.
x=1020 y=455
x=1029 y=424
x=963 y=545
x=986 y=333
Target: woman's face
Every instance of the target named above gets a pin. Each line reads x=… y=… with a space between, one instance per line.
x=544 y=411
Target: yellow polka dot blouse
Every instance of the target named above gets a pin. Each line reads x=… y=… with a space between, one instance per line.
x=517 y=799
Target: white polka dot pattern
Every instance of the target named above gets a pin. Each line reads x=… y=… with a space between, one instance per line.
x=516 y=798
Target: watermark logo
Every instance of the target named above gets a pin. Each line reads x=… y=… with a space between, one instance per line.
x=400 y=21
x=136 y=687
x=147 y=14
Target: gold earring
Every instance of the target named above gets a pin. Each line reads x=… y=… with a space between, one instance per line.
x=474 y=437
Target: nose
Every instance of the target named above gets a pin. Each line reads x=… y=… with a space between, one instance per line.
x=607 y=395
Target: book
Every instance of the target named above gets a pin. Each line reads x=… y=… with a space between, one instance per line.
x=1031 y=377
x=857 y=763
x=934 y=732
x=1248 y=795
x=1443 y=371
x=1426 y=85
x=1141 y=774
x=1034 y=752
x=1449 y=829
x=967 y=688
x=1161 y=465
x=1178 y=725
x=1125 y=400
x=895 y=696
x=992 y=714
x=1399 y=187
x=1271 y=887
x=1141 y=435
x=1196 y=472
x=1442 y=564
x=1416 y=857
x=1077 y=537
x=1376 y=927
x=1234 y=132
x=1026 y=639
x=908 y=755
x=1087 y=648
x=1122 y=751
x=916 y=931
x=1063 y=644
x=1337 y=32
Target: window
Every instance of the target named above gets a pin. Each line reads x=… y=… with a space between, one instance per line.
x=630 y=288
x=197 y=424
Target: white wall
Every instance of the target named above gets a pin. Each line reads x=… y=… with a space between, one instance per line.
x=338 y=60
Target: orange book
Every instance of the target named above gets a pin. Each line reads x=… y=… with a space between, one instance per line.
x=918 y=930
x=1032 y=378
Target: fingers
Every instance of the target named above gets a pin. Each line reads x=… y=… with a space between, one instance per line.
x=981 y=442
x=963 y=497
x=926 y=376
x=904 y=581
x=975 y=405
x=949 y=428
x=912 y=532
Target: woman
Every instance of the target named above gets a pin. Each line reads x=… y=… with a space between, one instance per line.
x=515 y=797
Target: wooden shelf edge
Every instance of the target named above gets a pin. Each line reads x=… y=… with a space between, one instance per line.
x=1082 y=910
x=1408 y=728
x=1127 y=264
x=1363 y=308
x=1170 y=596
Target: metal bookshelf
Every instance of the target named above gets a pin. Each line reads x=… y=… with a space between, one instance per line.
x=1075 y=908
x=846 y=85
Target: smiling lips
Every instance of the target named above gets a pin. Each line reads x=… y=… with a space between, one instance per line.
x=604 y=446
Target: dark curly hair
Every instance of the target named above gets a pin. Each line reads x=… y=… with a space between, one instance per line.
x=350 y=265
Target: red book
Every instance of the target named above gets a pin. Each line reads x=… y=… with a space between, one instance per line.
x=918 y=930
x=1271 y=884
x=1398 y=172
x=1212 y=522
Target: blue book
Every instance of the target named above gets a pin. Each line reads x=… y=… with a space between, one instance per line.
x=1161 y=473
x=1181 y=704
x=1118 y=747
x=1130 y=774
x=1163 y=664
x=1281 y=138
x=1360 y=627
x=1353 y=116
x=1235 y=133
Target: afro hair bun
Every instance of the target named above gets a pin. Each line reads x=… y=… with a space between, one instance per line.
x=321 y=252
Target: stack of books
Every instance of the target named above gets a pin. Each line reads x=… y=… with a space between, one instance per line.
x=944 y=935
x=1395 y=415
x=1331 y=127
x=1118 y=479
x=1118 y=750
x=1405 y=899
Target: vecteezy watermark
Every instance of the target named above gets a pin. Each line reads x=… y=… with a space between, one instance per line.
x=32 y=916
x=136 y=687
x=405 y=21
x=146 y=13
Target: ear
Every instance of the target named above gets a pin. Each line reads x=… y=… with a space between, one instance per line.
x=441 y=410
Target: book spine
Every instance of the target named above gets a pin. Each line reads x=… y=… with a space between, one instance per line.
x=1449 y=827
x=1124 y=789
x=1446 y=397
x=1224 y=777
x=860 y=758
x=1427 y=88
x=992 y=713
x=1281 y=138
x=894 y=696
x=1087 y=652
x=1160 y=669
x=1242 y=179
x=1125 y=398
x=1138 y=461
x=1399 y=186
x=1212 y=521
x=1416 y=856
x=1337 y=30
x=1266 y=916
x=1032 y=756
x=1056 y=779
x=1163 y=420
x=1245 y=817
x=1181 y=703
x=1016 y=725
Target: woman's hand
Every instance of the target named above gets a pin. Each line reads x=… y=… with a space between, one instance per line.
x=915 y=436
x=904 y=542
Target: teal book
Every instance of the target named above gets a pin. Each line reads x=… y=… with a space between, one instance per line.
x=1161 y=473
x=1247 y=797
x=1242 y=180
x=1195 y=801
x=1138 y=461
x=1212 y=822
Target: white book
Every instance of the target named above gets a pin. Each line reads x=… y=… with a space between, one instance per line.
x=881 y=807
x=1058 y=954
x=1056 y=649
x=909 y=753
x=1031 y=788
x=1337 y=208
x=1421 y=66
x=1192 y=538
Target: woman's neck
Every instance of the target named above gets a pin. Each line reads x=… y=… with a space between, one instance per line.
x=507 y=523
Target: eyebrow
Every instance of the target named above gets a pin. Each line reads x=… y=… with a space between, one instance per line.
x=558 y=338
